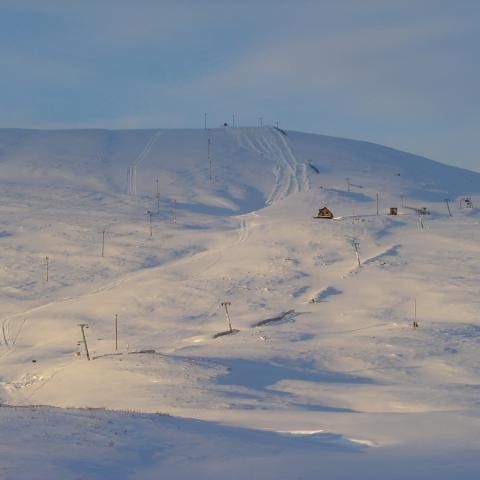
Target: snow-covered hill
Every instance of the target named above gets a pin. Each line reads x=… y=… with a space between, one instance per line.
x=242 y=162
x=233 y=223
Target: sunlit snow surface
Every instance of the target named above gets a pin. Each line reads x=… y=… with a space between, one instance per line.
x=333 y=382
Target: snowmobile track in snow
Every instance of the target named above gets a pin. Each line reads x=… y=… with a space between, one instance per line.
x=290 y=175
x=132 y=169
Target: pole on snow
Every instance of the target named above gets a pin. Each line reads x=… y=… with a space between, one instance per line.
x=84 y=341
x=355 y=247
x=103 y=243
x=226 y=305
x=448 y=207
x=149 y=213
x=116 y=332
x=209 y=157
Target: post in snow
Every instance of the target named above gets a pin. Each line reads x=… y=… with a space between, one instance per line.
x=174 y=211
x=116 y=332
x=415 y=322
x=226 y=305
x=103 y=232
x=209 y=157
x=83 y=326
x=149 y=213
x=355 y=247
x=448 y=207
x=46 y=268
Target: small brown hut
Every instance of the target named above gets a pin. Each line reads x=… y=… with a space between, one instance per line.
x=324 y=213
x=393 y=211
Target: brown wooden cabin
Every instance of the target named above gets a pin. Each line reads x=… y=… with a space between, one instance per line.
x=393 y=211
x=324 y=213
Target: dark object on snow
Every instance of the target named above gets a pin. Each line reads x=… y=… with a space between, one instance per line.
x=151 y=351
x=393 y=211
x=281 y=131
x=466 y=202
x=324 y=213
x=422 y=211
x=314 y=168
x=419 y=211
x=268 y=321
x=226 y=332
x=415 y=324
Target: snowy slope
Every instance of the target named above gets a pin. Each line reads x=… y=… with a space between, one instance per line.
x=344 y=361
x=243 y=160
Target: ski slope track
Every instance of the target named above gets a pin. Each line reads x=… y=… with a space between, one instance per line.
x=325 y=372
x=290 y=176
x=132 y=169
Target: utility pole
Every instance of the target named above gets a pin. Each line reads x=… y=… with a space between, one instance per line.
x=175 y=211
x=377 y=204
x=158 y=199
x=103 y=243
x=226 y=305
x=84 y=341
x=116 y=332
x=415 y=322
x=209 y=157
x=355 y=247
x=149 y=213
x=448 y=207
x=205 y=120
x=46 y=260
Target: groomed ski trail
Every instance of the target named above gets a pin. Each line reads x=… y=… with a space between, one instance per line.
x=132 y=169
x=290 y=175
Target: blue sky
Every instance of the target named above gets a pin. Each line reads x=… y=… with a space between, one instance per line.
x=401 y=73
